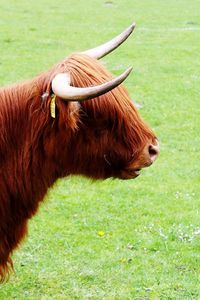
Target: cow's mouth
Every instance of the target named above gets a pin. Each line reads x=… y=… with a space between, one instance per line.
x=137 y=171
x=130 y=173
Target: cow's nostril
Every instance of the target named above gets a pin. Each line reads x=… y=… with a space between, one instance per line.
x=153 y=152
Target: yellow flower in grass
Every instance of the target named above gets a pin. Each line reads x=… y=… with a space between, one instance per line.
x=101 y=233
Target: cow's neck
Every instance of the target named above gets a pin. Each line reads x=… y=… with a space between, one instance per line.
x=24 y=169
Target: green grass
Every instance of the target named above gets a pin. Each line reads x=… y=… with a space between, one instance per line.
x=149 y=247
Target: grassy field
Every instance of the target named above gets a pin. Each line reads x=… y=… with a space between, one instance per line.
x=137 y=239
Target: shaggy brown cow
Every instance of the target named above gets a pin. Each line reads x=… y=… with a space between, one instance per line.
x=48 y=131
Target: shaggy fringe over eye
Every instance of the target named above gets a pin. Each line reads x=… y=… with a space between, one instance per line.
x=115 y=105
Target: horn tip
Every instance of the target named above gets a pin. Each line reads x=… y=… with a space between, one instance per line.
x=126 y=73
x=129 y=70
x=133 y=26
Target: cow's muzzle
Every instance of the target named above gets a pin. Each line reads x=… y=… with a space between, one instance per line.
x=145 y=159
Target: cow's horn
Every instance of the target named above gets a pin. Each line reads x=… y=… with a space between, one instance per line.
x=61 y=87
x=108 y=47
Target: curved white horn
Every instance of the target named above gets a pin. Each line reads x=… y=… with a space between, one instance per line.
x=108 y=47
x=61 y=87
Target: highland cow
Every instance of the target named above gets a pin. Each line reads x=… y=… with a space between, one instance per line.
x=73 y=119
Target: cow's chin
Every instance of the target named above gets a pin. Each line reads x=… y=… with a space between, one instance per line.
x=129 y=173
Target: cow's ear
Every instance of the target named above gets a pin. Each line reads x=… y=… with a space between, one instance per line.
x=68 y=114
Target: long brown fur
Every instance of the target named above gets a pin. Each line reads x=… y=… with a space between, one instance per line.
x=96 y=138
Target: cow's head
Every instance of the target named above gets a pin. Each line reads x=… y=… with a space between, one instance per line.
x=111 y=139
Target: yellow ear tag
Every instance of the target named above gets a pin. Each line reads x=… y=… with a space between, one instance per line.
x=53 y=106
